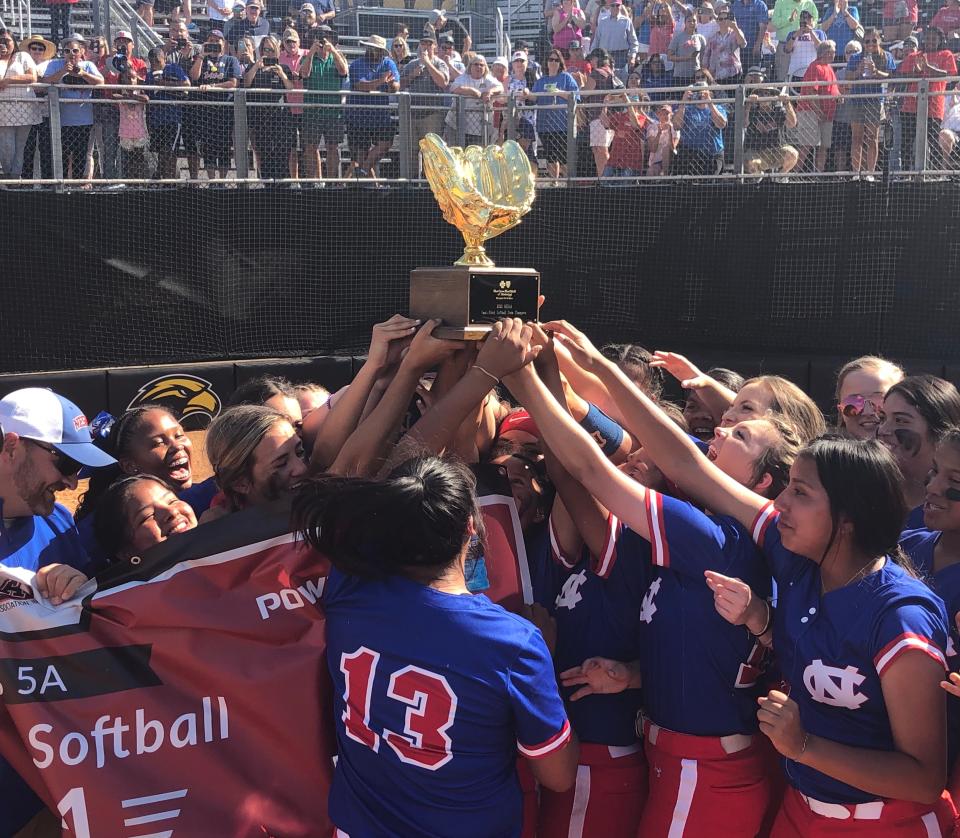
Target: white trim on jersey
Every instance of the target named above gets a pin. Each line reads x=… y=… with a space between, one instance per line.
x=688 y=785
x=932 y=825
x=558 y=740
x=609 y=552
x=906 y=641
x=558 y=554
x=760 y=523
x=581 y=798
x=658 y=533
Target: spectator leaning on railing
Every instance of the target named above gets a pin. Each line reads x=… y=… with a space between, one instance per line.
x=270 y=127
x=164 y=121
x=425 y=74
x=873 y=64
x=478 y=88
x=17 y=71
x=324 y=67
x=76 y=113
x=215 y=74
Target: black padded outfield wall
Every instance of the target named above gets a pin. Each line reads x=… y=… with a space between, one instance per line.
x=138 y=277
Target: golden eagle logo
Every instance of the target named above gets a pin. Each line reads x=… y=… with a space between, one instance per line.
x=192 y=398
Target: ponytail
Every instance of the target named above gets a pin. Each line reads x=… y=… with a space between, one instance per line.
x=415 y=522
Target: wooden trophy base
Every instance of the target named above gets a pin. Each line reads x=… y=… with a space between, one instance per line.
x=470 y=299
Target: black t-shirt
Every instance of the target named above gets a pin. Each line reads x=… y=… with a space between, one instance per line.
x=765 y=127
x=267 y=78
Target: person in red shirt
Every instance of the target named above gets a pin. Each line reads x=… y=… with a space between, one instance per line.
x=933 y=62
x=576 y=63
x=815 y=116
x=948 y=18
x=629 y=126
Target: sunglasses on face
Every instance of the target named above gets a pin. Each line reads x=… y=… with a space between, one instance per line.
x=855 y=405
x=871 y=41
x=73 y=51
x=67 y=466
x=553 y=60
x=36 y=47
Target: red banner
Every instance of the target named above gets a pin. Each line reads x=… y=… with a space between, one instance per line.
x=189 y=695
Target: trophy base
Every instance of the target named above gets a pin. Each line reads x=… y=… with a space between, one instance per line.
x=469 y=299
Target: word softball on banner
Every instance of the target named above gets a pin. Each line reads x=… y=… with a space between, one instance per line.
x=186 y=696
x=189 y=695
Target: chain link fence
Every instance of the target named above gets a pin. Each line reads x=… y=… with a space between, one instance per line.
x=80 y=134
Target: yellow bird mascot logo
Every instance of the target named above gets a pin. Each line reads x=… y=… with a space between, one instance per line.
x=192 y=398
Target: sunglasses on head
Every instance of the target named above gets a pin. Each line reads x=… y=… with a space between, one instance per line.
x=67 y=466
x=855 y=405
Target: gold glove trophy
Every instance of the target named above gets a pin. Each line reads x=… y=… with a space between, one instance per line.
x=482 y=192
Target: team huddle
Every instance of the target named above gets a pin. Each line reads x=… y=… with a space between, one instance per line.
x=743 y=622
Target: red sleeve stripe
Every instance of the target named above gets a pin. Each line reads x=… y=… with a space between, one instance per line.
x=765 y=517
x=658 y=533
x=558 y=740
x=603 y=564
x=555 y=550
x=904 y=643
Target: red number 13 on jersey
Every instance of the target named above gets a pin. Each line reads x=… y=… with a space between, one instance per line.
x=431 y=708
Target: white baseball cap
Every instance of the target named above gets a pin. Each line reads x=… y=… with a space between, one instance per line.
x=124 y=35
x=43 y=416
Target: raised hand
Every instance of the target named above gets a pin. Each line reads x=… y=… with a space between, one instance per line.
x=383 y=337
x=507 y=348
x=426 y=350
x=576 y=342
x=681 y=368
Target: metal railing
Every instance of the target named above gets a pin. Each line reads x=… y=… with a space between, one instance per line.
x=264 y=123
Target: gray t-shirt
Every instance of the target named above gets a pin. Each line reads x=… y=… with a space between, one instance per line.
x=688 y=49
x=420 y=81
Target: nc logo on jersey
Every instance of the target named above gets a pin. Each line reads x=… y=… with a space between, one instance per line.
x=190 y=397
x=570 y=593
x=647 y=608
x=14 y=589
x=834 y=686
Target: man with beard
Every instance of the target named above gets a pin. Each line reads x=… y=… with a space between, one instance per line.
x=257 y=457
x=45 y=443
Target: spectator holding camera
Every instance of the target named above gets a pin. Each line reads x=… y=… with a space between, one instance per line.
x=291 y=58
x=324 y=68
x=519 y=91
x=700 y=121
x=270 y=127
x=17 y=71
x=801 y=46
x=629 y=125
x=662 y=139
x=722 y=53
x=425 y=74
x=76 y=112
x=768 y=112
x=105 y=133
x=164 y=121
x=871 y=65
x=215 y=74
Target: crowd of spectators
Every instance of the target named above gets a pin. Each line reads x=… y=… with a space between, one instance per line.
x=826 y=554
x=824 y=93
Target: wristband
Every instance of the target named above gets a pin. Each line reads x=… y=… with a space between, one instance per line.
x=766 y=626
x=602 y=428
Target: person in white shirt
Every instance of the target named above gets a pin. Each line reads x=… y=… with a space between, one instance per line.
x=19 y=108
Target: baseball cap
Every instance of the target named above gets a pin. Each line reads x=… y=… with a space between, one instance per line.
x=435 y=15
x=124 y=35
x=574 y=44
x=757 y=70
x=519 y=55
x=428 y=38
x=519 y=420
x=238 y=7
x=215 y=33
x=43 y=416
x=911 y=41
x=446 y=39
x=501 y=60
x=73 y=39
x=308 y=7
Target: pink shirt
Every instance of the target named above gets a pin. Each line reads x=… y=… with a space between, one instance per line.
x=133 y=122
x=292 y=63
x=660 y=38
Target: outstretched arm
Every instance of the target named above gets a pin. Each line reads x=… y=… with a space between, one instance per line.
x=678 y=458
